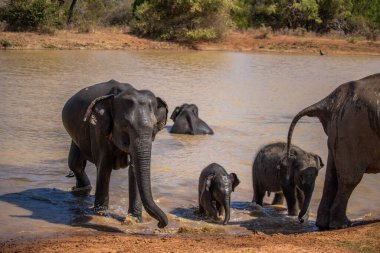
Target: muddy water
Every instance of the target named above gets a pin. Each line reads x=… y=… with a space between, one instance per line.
x=248 y=99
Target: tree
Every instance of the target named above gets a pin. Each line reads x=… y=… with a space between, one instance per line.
x=71 y=11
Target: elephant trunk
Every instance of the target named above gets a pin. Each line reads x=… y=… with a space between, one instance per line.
x=308 y=191
x=227 y=210
x=141 y=159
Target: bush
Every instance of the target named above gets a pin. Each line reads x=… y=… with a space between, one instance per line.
x=241 y=14
x=182 y=20
x=30 y=15
x=121 y=15
x=5 y=43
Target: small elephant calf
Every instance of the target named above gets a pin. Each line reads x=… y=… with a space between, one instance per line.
x=214 y=191
x=187 y=121
x=269 y=173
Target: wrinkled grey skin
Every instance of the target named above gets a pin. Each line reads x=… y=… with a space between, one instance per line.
x=269 y=174
x=350 y=119
x=214 y=191
x=187 y=121
x=109 y=123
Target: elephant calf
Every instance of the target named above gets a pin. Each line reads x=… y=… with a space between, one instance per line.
x=214 y=191
x=186 y=121
x=269 y=173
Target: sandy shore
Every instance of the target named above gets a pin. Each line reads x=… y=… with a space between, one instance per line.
x=363 y=238
x=252 y=40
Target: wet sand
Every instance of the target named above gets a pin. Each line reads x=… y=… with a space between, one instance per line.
x=251 y=40
x=362 y=238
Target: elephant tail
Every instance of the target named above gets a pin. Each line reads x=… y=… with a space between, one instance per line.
x=319 y=110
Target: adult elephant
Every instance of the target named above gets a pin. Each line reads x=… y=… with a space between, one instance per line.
x=350 y=118
x=113 y=125
x=187 y=121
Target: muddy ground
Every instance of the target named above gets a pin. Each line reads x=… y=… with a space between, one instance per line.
x=361 y=238
x=251 y=40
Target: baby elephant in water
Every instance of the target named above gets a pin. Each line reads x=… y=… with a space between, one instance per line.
x=186 y=121
x=214 y=191
x=269 y=174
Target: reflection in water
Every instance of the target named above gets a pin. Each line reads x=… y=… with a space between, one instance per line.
x=248 y=99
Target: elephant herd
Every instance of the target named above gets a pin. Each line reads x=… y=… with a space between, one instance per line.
x=113 y=125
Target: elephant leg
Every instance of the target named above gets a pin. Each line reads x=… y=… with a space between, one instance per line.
x=290 y=196
x=338 y=217
x=278 y=198
x=102 y=188
x=220 y=208
x=201 y=210
x=300 y=197
x=135 y=204
x=210 y=209
x=328 y=195
x=77 y=164
x=258 y=195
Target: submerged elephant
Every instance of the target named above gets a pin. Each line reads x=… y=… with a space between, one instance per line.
x=269 y=175
x=214 y=191
x=350 y=117
x=186 y=121
x=113 y=125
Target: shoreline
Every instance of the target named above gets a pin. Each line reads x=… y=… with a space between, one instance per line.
x=360 y=238
x=235 y=41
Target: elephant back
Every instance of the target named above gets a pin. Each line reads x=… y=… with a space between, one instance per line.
x=266 y=169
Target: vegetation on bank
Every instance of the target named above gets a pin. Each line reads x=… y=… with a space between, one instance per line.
x=194 y=20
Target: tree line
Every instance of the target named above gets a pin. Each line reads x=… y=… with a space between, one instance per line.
x=187 y=20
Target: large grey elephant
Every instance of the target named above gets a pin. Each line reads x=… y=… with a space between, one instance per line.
x=113 y=125
x=214 y=191
x=350 y=117
x=269 y=175
x=187 y=121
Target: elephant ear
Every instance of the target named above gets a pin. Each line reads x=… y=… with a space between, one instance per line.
x=194 y=108
x=235 y=180
x=208 y=182
x=319 y=162
x=175 y=113
x=162 y=113
x=99 y=114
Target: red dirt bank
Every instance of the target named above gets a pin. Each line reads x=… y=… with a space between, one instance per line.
x=365 y=238
x=112 y=38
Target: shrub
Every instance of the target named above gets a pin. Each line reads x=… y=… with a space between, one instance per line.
x=241 y=14
x=182 y=20
x=27 y=15
x=5 y=43
x=121 y=15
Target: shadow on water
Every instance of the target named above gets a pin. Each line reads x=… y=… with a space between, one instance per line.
x=271 y=219
x=268 y=219
x=60 y=207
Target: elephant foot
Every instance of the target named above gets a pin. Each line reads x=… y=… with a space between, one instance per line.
x=81 y=191
x=101 y=210
x=322 y=223
x=132 y=219
x=217 y=218
x=340 y=223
